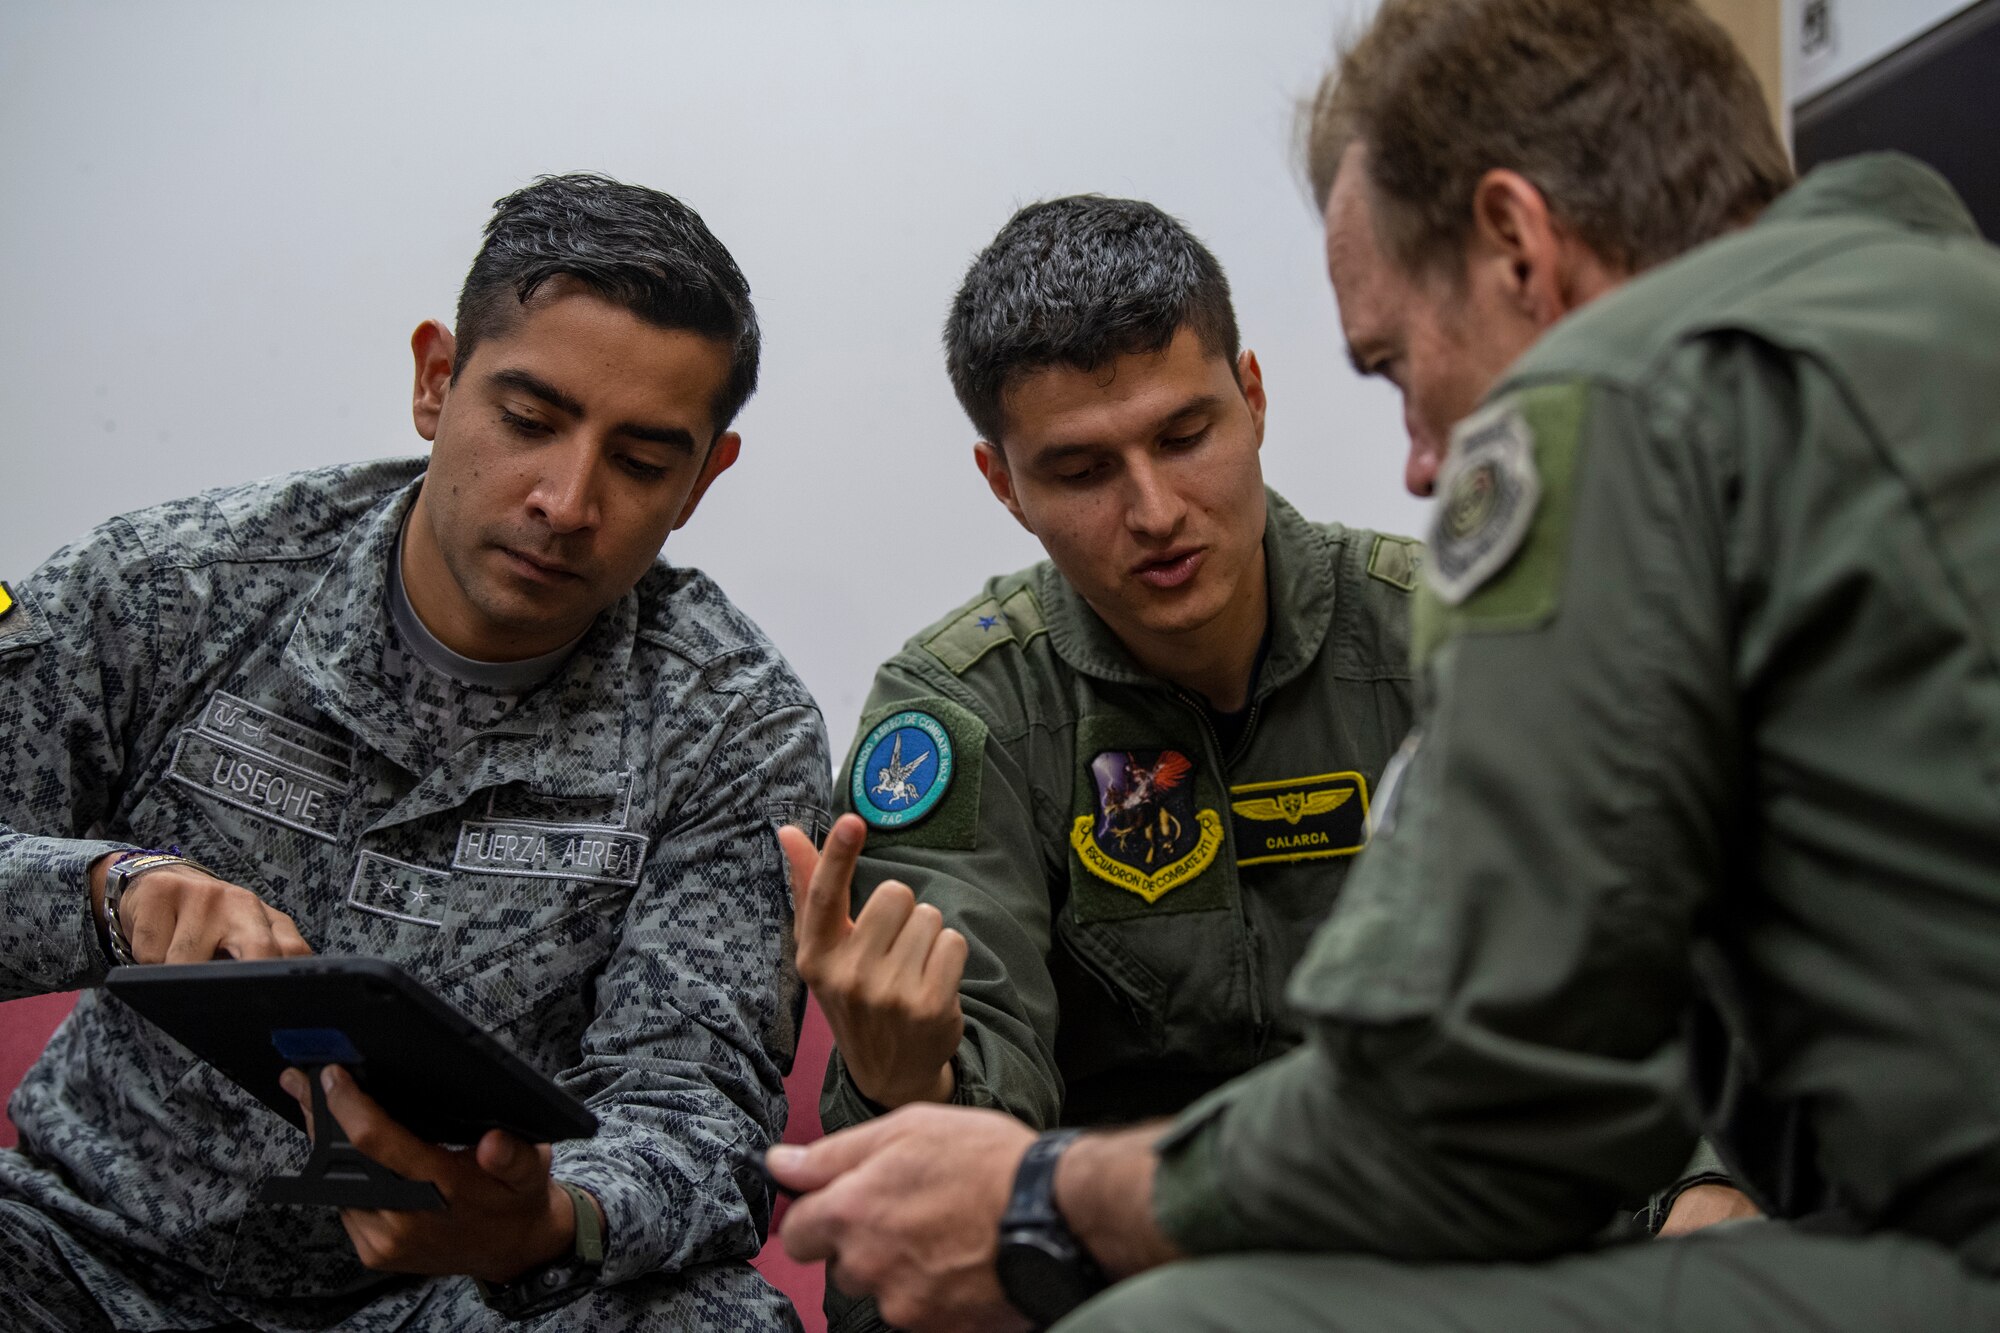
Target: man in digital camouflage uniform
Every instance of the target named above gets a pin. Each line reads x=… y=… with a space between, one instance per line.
x=1125 y=784
x=461 y=719
x=1703 y=758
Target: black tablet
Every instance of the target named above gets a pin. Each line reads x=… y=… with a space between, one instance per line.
x=434 y=1070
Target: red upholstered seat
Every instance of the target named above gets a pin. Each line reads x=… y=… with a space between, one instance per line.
x=25 y=1026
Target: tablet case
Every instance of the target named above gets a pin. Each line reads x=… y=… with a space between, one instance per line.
x=434 y=1070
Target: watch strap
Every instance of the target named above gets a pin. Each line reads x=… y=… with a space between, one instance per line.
x=589 y=1229
x=1033 y=1201
x=124 y=868
x=556 y=1282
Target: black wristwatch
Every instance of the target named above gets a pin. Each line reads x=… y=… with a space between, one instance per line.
x=1043 y=1268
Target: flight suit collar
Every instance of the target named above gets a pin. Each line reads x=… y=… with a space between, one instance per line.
x=340 y=644
x=1889 y=186
x=1298 y=570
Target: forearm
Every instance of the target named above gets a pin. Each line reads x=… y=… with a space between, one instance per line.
x=842 y=1103
x=1104 y=1190
x=1360 y=1155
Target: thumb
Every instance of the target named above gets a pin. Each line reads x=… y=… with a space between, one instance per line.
x=514 y=1162
x=817 y=1165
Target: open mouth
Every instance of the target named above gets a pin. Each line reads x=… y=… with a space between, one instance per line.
x=1172 y=570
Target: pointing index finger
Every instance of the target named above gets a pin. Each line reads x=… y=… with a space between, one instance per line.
x=823 y=917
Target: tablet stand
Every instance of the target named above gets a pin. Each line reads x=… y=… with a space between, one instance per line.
x=338 y=1175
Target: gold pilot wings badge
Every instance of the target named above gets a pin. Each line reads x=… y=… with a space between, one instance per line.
x=1300 y=819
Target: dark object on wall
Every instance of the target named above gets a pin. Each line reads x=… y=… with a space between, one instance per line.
x=1937 y=98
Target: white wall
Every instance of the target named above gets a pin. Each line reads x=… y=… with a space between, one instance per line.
x=1854 y=34
x=220 y=222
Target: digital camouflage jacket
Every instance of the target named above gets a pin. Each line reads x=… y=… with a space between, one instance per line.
x=595 y=878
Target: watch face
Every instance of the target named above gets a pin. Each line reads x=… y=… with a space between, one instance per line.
x=1043 y=1275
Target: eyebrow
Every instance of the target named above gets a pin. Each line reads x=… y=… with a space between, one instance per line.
x=674 y=437
x=1059 y=453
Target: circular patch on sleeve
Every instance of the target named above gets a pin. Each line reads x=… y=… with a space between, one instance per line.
x=1487 y=492
x=902 y=769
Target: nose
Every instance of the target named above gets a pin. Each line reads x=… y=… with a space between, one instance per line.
x=1153 y=508
x=1420 y=470
x=565 y=494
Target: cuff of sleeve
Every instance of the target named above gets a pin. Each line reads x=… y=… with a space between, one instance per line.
x=539 y=1290
x=1189 y=1202
x=627 y=1251
x=841 y=1104
x=66 y=952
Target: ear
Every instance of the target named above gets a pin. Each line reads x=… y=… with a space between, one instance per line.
x=1250 y=378
x=721 y=455
x=992 y=465
x=434 y=348
x=1518 y=248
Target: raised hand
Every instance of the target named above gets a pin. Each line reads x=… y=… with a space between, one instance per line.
x=887 y=980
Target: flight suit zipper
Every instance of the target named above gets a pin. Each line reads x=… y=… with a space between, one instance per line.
x=1260 y=1023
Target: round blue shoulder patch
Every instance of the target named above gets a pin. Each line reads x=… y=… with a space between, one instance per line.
x=902 y=769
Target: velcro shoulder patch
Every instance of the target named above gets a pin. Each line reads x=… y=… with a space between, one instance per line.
x=915 y=773
x=1487 y=491
x=985 y=626
x=1396 y=561
x=1500 y=540
x=19 y=626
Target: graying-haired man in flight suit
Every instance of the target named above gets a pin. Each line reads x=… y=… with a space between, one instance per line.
x=454 y=714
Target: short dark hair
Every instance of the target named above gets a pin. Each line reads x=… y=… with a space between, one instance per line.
x=1638 y=120
x=1078 y=282
x=640 y=249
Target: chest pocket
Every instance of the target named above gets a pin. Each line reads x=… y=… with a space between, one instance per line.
x=258 y=797
x=508 y=918
x=1153 y=917
x=1148 y=833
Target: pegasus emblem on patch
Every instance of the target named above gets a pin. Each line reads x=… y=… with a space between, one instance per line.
x=892 y=780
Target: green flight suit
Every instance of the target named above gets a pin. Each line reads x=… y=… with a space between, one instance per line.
x=1121 y=966
x=1709 y=704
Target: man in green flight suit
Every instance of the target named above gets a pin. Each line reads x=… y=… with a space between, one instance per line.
x=1707 y=667
x=1117 y=791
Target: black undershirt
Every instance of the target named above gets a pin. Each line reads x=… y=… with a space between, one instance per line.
x=1230 y=727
